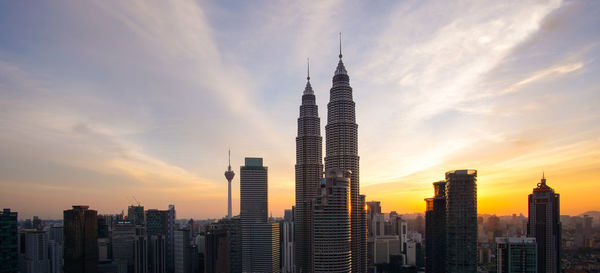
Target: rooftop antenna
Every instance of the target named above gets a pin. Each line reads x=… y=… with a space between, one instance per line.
x=308 y=69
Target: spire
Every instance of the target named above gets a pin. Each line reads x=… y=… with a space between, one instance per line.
x=543 y=178
x=340 y=70
x=308 y=89
x=229 y=154
x=340 y=46
x=542 y=186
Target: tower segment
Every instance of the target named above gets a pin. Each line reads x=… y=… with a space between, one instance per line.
x=341 y=133
x=309 y=172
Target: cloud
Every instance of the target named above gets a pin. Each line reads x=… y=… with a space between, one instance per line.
x=541 y=75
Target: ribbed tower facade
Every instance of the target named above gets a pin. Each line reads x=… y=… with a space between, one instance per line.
x=332 y=223
x=341 y=151
x=309 y=171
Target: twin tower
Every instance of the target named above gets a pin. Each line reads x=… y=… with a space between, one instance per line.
x=330 y=217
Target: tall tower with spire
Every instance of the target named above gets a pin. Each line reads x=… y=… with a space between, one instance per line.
x=544 y=224
x=229 y=174
x=341 y=133
x=309 y=172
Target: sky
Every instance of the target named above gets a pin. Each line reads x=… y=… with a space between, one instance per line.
x=108 y=103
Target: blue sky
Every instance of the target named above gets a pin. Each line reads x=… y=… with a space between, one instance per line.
x=104 y=100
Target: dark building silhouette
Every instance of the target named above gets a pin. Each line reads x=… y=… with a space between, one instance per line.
x=461 y=221
x=516 y=255
x=157 y=228
x=341 y=151
x=135 y=214
x=81 y=240
x=223 y=246
x=435 y=230
x=9 y=242
x=260 y=238
x=309 y=171
x=544 y=225
x=332 y=223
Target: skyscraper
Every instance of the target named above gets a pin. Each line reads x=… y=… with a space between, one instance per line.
x=260 y=238
x=332 y=223
x=309 y=171
x=461 y=221
x=229 y=174
x=341 y=133
x=81 y=240
x=9 y=247
x=435 y=230
x=544 y=225
x=516 y=255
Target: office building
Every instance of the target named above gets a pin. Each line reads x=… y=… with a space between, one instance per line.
x=332 y=225
x=516 y=255
x=435 y=230
x=309 y=171
x=544 y=225
x=260 y=238
x=155 y=251
x=124 y=244
x=81 y=240
x=9 y=242
x=341 y=151
x=135 y=215
x=287 y=243
x=34 y=252
x=461 y=221
x=223 y=246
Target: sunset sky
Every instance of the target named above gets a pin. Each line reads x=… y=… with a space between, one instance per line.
x=101 y=101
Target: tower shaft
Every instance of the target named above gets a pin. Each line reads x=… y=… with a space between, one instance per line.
x=309 y=172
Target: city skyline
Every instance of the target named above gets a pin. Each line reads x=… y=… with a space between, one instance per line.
x=106 y=102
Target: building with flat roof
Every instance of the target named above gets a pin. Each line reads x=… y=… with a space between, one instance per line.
x=516 y=255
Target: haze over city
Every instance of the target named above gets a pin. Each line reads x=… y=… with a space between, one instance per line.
x=105 y=102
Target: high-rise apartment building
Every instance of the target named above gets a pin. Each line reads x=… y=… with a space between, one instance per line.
x=435 y=230
x=516 y=255
x=9 y=242
x=309 y=171
x=544 y=225
x=461 y=221
x=260 y=238
x=81 y=240
x=332 y=226
x=341 y=151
